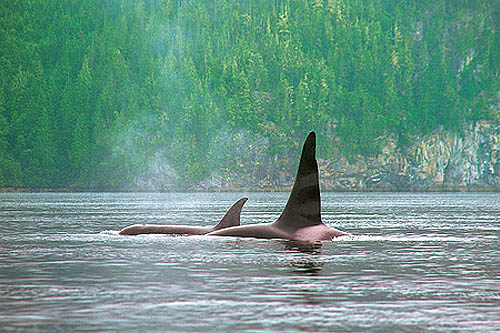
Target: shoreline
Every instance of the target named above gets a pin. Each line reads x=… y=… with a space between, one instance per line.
x=475 y=189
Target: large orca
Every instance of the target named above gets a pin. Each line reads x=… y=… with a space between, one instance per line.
x=231 y=219
x=301 y=218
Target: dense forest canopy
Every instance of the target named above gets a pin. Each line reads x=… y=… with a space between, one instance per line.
x=92 y=91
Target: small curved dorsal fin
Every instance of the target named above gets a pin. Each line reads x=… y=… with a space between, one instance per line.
x=232 y=217
x=303 y=208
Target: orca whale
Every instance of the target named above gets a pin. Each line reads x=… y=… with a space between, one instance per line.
x=231 y=219
x=301 y=217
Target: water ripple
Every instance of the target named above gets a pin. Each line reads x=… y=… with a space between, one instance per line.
x=415 y=262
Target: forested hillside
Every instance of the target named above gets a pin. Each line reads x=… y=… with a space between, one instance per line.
x=94 y=93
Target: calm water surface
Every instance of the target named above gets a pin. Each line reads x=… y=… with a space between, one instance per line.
x=416 y=262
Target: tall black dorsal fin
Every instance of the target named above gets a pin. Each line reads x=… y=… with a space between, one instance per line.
x=304 y=204
x=232 y=217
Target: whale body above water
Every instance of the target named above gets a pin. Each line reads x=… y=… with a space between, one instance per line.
x=301 y=217
x=231 y=219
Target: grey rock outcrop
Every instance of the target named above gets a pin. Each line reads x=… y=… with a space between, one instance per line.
x=441 y=161
x=468 y=160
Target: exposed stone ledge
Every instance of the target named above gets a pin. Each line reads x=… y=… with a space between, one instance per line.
x=441 y=161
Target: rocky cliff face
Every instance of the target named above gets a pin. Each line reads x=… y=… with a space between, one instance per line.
x=441 y=161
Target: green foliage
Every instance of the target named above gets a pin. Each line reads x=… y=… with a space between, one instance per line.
x=91 y=91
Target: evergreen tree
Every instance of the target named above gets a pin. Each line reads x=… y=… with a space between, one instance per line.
x=91 y=90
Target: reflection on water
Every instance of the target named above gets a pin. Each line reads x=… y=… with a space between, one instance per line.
x=309 y=265
x=416 y=262
x=304 y=247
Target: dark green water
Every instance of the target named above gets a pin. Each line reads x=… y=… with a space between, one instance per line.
x=416 y=262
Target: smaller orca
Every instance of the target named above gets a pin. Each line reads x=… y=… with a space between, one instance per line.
x=231 y=219
x=301 y=218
